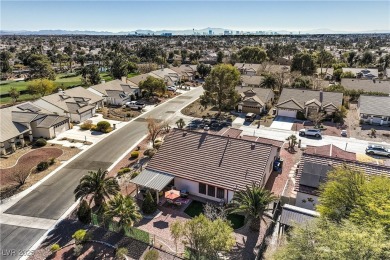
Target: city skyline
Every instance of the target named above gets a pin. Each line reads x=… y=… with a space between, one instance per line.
x=122 y=16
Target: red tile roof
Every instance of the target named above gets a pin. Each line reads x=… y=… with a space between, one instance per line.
x=330 y=150
x=230 y=163
x=367 y=168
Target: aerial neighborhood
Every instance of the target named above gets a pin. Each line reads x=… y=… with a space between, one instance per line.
x=195 y=146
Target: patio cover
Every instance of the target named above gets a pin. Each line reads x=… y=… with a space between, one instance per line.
x=153 y=179
x=296 y=215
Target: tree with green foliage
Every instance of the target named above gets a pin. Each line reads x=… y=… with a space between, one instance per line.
x=292 y=142
x=219 y=57
x=90 y=75
x=123 y=209
x=119 y=67
x=351 y=56
x=97 y=187
x=348 y=75
x=203 y=70
x=132 y=67
x=84 y=212
x=152 y=85
x=328 y=240
x=68 y=50
x=5 y=66
x=269 y=81
x=367 y=58
x=41 y=87
x=340 y=114
x=14 y=94
x=304 y=63
x=340 y=193
x=219 y=88
x=149 y=205
x=180 y=123
x=253 y=201
x=40 y=67
x=252 y=55
x=204 y=237
x=302 y=82
x=324 y=59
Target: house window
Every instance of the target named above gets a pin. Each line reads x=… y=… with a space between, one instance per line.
x=220 y=193
x=211 y=191
x=202 y=188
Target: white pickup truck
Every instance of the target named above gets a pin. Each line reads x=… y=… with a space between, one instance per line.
x=135 y=105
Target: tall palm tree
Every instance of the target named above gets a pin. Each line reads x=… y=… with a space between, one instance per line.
x=125 y=209
x=98 y=185
x=253 y=202
x=269 y=81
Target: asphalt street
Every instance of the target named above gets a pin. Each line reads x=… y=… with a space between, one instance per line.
x=54 y=196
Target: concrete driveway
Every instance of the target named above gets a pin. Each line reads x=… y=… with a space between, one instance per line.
x=283 y=122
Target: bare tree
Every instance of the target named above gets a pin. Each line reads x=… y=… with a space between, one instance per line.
x=19 y=176
x=155 y=128
x=213 y=212
x=316 y=117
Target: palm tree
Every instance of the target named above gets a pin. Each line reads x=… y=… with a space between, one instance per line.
x=253 y=202
x=125 y=209
x=292 y=141
x=98 y=186
x=269 y=81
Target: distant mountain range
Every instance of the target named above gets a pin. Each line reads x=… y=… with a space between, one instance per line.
x=214 y=31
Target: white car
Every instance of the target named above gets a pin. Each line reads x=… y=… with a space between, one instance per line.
x=135 y=105
x=171 y=88
x=310 y=132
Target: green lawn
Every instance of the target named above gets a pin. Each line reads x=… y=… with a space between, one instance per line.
x=196 y=208
x=62 y=81
x=130 y=75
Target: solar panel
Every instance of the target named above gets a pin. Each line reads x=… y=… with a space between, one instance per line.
x=28 y=106
x=310 y=180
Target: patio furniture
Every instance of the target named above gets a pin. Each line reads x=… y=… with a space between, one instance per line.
x=178 y=203
x=184 y=194
x=172 y=194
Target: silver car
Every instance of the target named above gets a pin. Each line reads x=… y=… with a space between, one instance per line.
x=378 y=150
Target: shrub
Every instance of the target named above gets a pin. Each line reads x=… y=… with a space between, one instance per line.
x=121 y=253
x=84 y=212
x=123 y=171
x=103 y=126
x=134 y=154
x=149 y=206
x=134 y=174
x=157 y=145
x=151 y=255
x=94 y=128
x=40 y=142
x=80 y=236
x=42 y=166
x=300 y=115
x=87 y=125
x=77 y=250
x=52 y=161
x=150 y=152
x=55 y=247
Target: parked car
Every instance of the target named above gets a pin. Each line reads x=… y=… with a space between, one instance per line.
x=344 y=133
x=250 y=117
x=171 y=88
x=310 y=132
x=135 y=105
x=378 y=150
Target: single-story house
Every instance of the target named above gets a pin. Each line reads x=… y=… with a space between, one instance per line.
x=307 y=101
x=207 y=165
x=362 y=72
x=116 y=92
x=367 y=85
x=186 y=72
x=137 y=79
x=251 y=81
x=77 y=103
x=169 y=76
x=248 y=68
x=313 y=171
x=254 y=100
x=374 y=109
x=28 y=121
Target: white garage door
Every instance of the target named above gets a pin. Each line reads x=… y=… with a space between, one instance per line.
x=86 y=115
x=287 y=113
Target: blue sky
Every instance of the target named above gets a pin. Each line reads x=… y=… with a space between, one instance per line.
x=183 y=14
